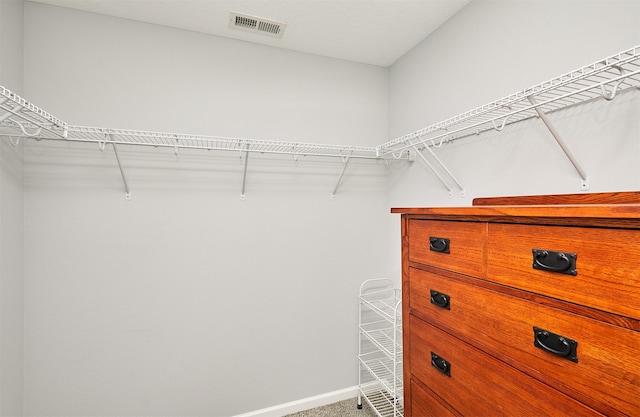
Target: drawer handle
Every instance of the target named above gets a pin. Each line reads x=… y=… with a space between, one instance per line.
x=560 y=262
x=555 y=343
x=441 y=364
x=439 y=244
x=440 y=299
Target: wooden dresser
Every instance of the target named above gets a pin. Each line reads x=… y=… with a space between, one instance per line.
x=523 y=306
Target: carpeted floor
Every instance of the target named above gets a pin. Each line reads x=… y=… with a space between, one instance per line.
x=346 y=408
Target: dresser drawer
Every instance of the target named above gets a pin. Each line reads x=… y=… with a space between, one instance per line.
x=607 y=268
x=456 y=246
x=424 y=404
x=479 y=385
x=607 y=368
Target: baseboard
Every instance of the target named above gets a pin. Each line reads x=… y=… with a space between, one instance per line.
x=305 y=403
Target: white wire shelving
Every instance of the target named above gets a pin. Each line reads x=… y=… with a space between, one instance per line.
x=603 y=79
x=177 y=141
x=30 y=121
x=380 y=348
x=27 y=120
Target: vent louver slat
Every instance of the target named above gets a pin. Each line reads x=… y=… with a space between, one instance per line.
x=269 y=27
x=245 y=22
x=256 y=24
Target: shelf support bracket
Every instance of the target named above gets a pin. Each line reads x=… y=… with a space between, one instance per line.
x=610 y=96
x=24 y=131
x=345 y=162
x=584 y=184
x=426 y=161
x=127 y=195
x=11 y=112
x=244 y=175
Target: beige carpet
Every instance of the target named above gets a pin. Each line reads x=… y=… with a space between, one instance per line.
x=346 y=408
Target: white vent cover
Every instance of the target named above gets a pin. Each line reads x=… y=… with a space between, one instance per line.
x=256 y=24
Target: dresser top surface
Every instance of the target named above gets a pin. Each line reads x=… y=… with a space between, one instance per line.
x=624 y=207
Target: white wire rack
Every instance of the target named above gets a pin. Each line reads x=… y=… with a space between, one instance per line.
x=28 y=120
x=380 y=349
x=24 y=120
x=177 y=141
x=603 y=79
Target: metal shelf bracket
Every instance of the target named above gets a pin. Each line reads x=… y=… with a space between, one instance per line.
x=24 y=130
x=127 y=195
x=610 y=96
x=15 y=111
x=9 y=112
x=584 y=184
x=345 y=162
x=244 y=175
x=504 y=122
x=442 y=166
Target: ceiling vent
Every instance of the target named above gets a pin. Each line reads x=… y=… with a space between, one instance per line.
x=256 y=24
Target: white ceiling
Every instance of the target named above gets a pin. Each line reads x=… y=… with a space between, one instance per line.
x=374 y=32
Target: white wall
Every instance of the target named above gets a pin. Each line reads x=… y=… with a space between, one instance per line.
x=491 y=49
x=11 y=223
x=187 y=300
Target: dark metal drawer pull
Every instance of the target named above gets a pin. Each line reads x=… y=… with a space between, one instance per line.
x=555 y=343
x=561 y=262
x=439 y=244
x=440 y=364
x=440 y=299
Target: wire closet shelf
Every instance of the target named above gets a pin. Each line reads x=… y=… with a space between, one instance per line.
x=604 y=78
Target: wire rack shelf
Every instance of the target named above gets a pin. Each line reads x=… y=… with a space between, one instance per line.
x=384 y=302
x=104 y=136
x=387 y=337
x=602 y=79
x=23 y=119
x=26 y=119
x=382 y=367
x=380 y=349
x=381 y=402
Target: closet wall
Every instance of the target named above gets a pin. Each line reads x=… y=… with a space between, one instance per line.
x=11 y=223
x=187 y=300
x=491 y=49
